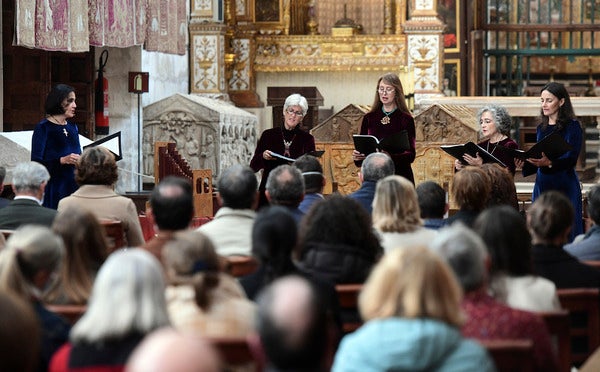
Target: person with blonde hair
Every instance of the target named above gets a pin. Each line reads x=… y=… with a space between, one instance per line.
x=396 y=214
x=411 y=299
x=200 y=297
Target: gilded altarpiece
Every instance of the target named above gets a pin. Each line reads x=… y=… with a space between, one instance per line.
x=207 y=67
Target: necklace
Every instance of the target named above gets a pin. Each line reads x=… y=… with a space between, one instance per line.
x=487 y=148
x=386 y=119
x=287 y=144
x=56 y=121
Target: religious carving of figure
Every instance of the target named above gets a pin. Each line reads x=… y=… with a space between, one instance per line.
x=148 y=154
x=208 y=154
x=192 y=148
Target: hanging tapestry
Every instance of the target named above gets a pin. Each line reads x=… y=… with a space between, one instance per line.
x=167 y=26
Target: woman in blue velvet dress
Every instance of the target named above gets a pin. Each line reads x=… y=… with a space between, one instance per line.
x=55 y=144
x=559 y=174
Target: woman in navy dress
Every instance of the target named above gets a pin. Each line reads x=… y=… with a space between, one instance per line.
x=55 y=144
x=557 y=116
x=389 y=115
x=288 y=140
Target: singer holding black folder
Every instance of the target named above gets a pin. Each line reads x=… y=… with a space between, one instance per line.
x=288 y=140
x=557 y=116
x=389 y=115
x=495 y=125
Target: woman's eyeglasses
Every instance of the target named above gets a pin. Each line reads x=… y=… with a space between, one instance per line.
x=387 y=90
x=297 y=113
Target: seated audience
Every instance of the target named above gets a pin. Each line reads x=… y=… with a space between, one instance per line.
x=285 y=187
x=200 y=297
x=587 y=247
x=292 y=324
x=511 y=279
x=96 y=173
x=28 y=262
x=470 y=191
x=502 y=182
x=314 y=180
x=3 y=201
x=127 y=302
x=29 y=181
x=19 y=335
x=169 y=350
x=86 y=250
x=411 y=306
x=231 y=228
x=171 y=210
x=396 y=214
x=375 y=167
x=487 y=318
x=337 y=242
x=550 y=219
x=433 y=204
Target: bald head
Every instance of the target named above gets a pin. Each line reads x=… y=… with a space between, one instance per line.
x=173 y=351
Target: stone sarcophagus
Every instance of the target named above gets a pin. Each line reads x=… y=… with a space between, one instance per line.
x=334 y=135
x=208 y=133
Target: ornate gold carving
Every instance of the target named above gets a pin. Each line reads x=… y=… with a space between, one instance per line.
x=328 y=53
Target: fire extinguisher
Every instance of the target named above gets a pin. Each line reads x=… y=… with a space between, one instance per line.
x=101 y=96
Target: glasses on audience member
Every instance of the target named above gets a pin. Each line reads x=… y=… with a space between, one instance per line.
x=297 y=113
x=387 y=90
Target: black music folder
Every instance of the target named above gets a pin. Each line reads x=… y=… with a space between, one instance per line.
x=393 y=144
x=458 y=151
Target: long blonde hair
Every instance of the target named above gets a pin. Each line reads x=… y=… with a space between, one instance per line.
x=395 y=205
x=412 y=283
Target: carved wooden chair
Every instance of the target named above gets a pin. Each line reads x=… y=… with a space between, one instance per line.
x=558 y=324
x=114 y=233
x=348 y=299
x=510 y=355
x=583 y=305
x=71 y=313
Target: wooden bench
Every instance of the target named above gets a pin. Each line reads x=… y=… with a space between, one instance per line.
x=348 y=300
x=510 y=355
x=558 y=324
x=71 y=313
x=238 y=352
x=114 y=233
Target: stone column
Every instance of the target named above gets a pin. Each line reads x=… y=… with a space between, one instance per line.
x=425 y=48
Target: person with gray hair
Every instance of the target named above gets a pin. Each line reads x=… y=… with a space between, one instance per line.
x=3 y=201
x=285 y=187
x=288 y=140
x=231 y=229
x=376 y=166
x=127 y=303
x=488 y=319
x=29 y=180
x=495 y=123
x=586 y=247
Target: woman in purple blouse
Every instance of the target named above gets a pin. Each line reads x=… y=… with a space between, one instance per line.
x=389 y=115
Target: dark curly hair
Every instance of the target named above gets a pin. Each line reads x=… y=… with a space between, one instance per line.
x=96 y=166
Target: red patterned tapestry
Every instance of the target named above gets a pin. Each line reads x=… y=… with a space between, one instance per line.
x=117 y=23
x=167 y=26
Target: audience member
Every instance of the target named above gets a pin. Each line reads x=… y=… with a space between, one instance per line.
x=127 y=302
x=376 y=166
x=503 y=186
x=396 y=214
x=285 y=187
x=488 y=319
x=29 y=180
x=169 y=350
x=86 y=250
x=337 y=242
x=96 y=173
x=411 y=305
x=433 y=204
x=511 y=279
x=587 y=247
x=200 y=298
x=470 y=191
x=293 y=326
x=171 y=210
x=550 y=219
x=27 y=263
x=231 y=229
x=314 y=180
x=3 y=201
x=19 y=335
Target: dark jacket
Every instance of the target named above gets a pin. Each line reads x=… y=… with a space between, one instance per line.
x=25 y=211
x=365 y=195
x=554 y=263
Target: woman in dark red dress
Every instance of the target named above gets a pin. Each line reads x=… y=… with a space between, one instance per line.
x=287 y=140
x=389 y=115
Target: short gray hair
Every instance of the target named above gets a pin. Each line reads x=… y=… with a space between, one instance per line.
x=502 y=119
x=29 y=176
x=285 y=185
x=465 y=252
x=377 y=166
x=296 y=100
